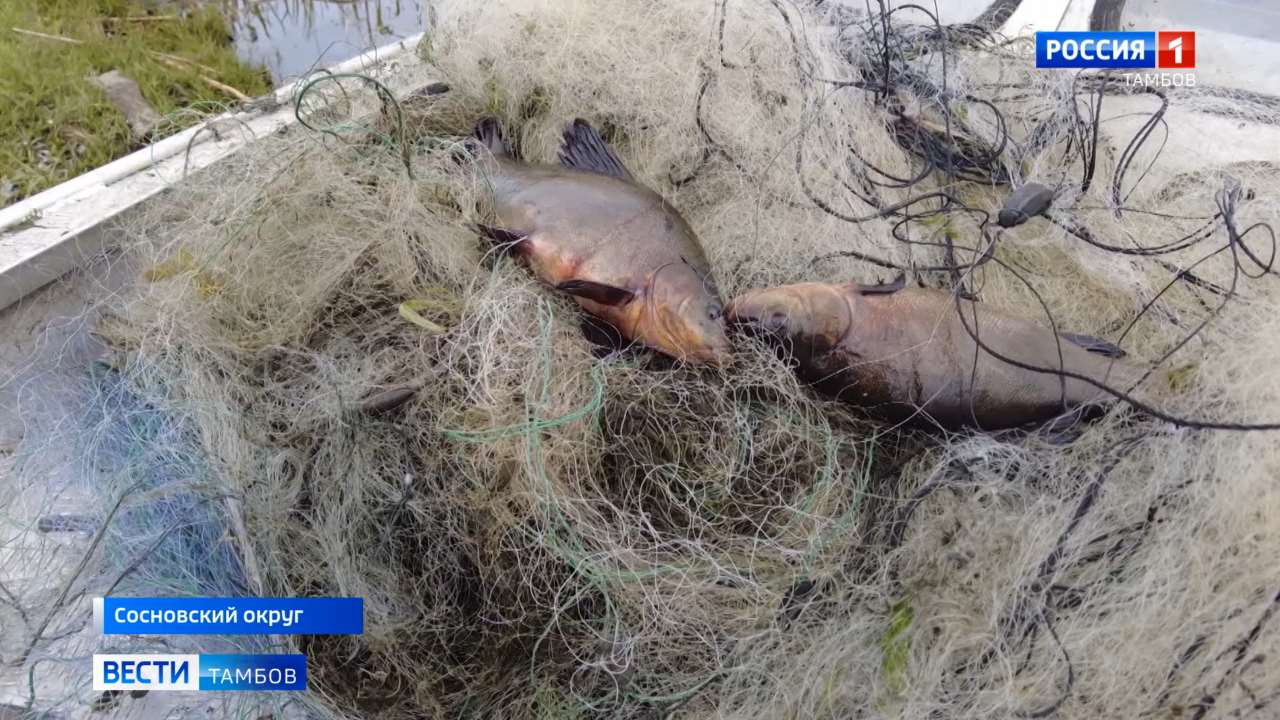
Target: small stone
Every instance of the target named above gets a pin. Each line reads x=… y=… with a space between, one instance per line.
x=125 y=95
x=44 y=158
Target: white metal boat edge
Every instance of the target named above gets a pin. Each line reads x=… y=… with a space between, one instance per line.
x=49 y=234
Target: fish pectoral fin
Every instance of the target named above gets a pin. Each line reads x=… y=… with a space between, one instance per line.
x=884 y=288
x=597 y=292
x=1095 y=345
x=508 y=240
x=582 y=148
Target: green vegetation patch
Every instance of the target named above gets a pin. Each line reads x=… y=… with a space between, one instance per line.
x=895 y=645
x=55 y=123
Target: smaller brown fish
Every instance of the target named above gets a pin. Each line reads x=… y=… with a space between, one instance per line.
x=904 y=354
x=590 y=229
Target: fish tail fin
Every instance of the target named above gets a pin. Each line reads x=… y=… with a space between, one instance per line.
x=489 y=134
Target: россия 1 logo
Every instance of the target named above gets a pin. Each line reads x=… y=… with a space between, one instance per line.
x=1177 y=50
x=1165 y=50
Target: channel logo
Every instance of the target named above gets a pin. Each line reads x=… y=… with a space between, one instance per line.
x=1166 y=50
x=146 y=672
x=200 y=672
x=1177 y=50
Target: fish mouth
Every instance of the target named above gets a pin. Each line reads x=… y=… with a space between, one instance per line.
x=716 y=352
x=686 y=339
x=704 y=355
x=755 y=321
x=717 y=356
x=709 y=358
x=768 y=327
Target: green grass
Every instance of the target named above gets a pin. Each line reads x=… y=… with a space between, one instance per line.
x=896 y=646
x=55 y=124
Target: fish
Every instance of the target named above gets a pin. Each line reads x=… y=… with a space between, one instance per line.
x=590 y=229
x=904 y=355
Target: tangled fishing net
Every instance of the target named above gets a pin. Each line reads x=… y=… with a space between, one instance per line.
x=324 y=383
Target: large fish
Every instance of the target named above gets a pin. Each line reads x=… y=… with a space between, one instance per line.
x=905 y=354
x=588 y=228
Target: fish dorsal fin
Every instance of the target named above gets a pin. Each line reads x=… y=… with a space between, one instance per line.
x=1094 y=345
x=582 y=148
x=884 y=288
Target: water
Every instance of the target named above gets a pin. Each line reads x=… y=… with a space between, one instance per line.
x=293 y=37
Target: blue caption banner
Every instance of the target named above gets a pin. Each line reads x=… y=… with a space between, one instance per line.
x=229 y=616
x=253 y=672
x=1101 y=50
